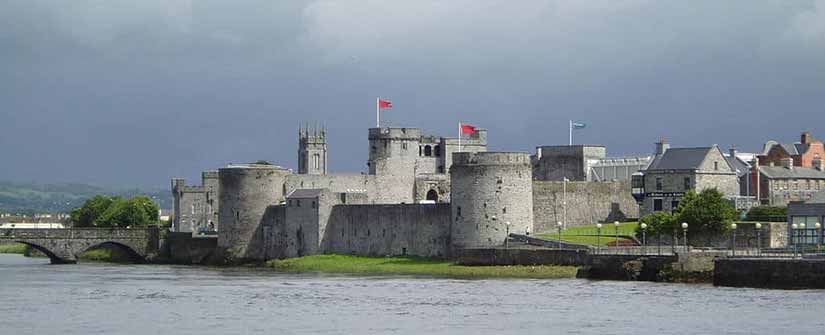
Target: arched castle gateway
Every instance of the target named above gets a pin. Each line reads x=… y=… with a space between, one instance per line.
x=419 y=196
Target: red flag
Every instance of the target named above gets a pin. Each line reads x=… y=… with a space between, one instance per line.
x=468 y=129
x=384 y=103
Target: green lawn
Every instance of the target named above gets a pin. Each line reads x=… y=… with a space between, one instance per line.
x=415 y=266
x=588 y=234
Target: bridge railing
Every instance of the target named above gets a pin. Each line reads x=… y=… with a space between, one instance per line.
x=70 y=233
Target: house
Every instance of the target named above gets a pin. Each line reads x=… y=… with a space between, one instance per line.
x=780 y=185
x=674 y=171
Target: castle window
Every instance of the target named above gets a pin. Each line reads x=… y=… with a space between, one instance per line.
x=657 y=205
x=316 y=161
x=428 y=151
x=437 y=151
x=716 y=166
x=658 y=183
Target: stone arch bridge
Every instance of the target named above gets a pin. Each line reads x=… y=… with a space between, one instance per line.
x=64 y=245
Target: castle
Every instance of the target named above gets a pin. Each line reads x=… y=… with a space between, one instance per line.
x=422 y=195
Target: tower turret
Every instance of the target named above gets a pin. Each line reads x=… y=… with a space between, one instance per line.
x=312 y=151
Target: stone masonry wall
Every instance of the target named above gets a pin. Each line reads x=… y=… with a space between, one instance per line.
x=381 y=230
x=587 y=203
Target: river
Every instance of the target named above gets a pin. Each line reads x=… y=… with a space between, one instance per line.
x=97 y=298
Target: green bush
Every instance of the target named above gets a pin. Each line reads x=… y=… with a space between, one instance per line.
x=767 y=213
x=659 y=222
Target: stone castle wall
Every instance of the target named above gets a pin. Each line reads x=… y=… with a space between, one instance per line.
x=587 y=203
x=381 y=230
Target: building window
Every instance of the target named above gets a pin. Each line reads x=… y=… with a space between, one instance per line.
x=428 y=151
x=658 y=183
x=657 y=205
x=716 y=166
x=437 y=151
x=297 y=203
x=313 y=204
x=818 y=185
x=404 y=145
x=316 y=161
x=687 y=183
x=374 y=149
x=674 y=205
x=808 y=184
x=795 y=184
x=776 y=185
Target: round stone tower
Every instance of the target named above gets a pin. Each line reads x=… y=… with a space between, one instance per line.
x=490 y=190
x=244 y=193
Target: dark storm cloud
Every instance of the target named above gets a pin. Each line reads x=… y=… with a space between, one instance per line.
x=134 y=92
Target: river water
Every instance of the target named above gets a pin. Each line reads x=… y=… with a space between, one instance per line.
x=96 y=298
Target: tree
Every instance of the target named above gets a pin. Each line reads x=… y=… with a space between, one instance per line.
x=706 y=212
x=103 y=211
x=92 y=209
x=657 y=223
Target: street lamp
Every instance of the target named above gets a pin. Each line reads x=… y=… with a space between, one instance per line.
x=733 y=245
x=598 y=237
x=758 y=227
x=794 y=228
x=684 y=234
x=616 y=224
x=644 y=238
x=560 y=225
x=802 y=239
x=507 y=238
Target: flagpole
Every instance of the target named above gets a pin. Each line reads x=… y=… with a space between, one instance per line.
x=570 y=129
x=377 y=113
x=459 y=137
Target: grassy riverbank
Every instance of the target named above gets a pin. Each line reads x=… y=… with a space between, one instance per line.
x=12 y=248
x=415 y=266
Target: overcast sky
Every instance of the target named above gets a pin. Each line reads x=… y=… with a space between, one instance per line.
x=131 y=93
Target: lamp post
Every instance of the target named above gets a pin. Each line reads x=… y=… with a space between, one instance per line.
x=507 y=238
x=794 y=227
x=758 y=227
x=598 y=237
x=802 y=239
x=616 y=224
x=644 y=238
x=560 y=224
x=733 y=244
x=684 y=234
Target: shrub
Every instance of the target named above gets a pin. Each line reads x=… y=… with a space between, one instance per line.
x=767 y=213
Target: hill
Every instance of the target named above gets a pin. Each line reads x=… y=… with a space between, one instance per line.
x=56 y=198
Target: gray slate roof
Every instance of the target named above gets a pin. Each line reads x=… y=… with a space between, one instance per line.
x=738 y=164
x=779 y=172
x=795 y=148
x=304 y=193
x=680 y=159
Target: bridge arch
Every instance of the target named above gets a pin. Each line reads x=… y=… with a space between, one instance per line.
x=52 y=256
x=129 y=251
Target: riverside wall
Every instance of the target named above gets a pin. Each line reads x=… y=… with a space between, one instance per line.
x=587 y=203
x=770 y=273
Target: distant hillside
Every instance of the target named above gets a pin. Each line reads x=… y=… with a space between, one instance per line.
x=53 y=198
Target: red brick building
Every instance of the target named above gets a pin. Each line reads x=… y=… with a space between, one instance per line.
x=803 y=153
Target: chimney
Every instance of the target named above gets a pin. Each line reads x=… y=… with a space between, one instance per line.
x=818 y=164
x=787 y=163
x=732 y=151
x=806 y=138
x=662 y=146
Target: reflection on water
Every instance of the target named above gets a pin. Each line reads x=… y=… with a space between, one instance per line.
x=38 y=298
